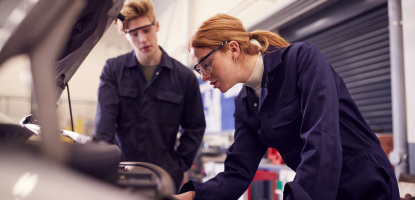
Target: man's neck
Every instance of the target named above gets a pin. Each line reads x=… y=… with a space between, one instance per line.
x=150 y=60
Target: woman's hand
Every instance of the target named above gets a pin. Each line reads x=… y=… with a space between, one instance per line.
x=185 y=196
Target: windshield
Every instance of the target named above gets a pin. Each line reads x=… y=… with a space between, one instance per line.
x=12 y=12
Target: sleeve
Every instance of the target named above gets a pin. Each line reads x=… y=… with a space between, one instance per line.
x=193 y=124
x=241 y=164
x=318 y=174
x=107 y=106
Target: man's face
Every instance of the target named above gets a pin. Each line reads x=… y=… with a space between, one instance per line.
x=143 y=40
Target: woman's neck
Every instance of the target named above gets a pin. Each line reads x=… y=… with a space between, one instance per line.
x=247 y=67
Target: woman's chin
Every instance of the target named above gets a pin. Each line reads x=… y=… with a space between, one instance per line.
x=222 y=89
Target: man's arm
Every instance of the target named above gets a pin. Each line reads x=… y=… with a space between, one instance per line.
x=107 y=106
x=192 y=122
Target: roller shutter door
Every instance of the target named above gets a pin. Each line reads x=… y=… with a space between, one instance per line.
x=358 y=49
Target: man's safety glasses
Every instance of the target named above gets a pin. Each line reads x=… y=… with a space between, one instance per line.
x=139 y=31
x=206 y=68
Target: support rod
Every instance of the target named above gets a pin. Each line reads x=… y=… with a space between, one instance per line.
x=399 y=155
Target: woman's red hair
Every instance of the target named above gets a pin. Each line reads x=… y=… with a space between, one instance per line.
x=223 y=27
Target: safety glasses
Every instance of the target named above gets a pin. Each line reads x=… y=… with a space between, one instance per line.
x=206 y=68
x=134 y=33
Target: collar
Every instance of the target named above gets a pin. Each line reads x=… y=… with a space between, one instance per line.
x=270 y=60
x=165 y=61
x=254 y=81
x=243 y=92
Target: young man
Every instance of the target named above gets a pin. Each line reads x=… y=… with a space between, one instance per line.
x=145 y=95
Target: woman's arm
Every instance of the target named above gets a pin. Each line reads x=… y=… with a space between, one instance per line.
x=241 y=164
x=317 y=176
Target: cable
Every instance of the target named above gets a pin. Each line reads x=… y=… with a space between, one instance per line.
x=70 y=107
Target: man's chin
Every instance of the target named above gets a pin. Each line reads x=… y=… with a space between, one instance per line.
x=146 y=54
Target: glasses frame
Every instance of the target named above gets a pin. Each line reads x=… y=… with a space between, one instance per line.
x=141 y=27
x=205 y=57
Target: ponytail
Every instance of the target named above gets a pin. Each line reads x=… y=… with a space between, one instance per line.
x=266 y=39
x=223 y=27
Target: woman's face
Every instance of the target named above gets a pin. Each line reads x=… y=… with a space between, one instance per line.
x=223 y=67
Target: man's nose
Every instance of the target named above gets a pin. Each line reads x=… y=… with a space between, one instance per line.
x=141 y=37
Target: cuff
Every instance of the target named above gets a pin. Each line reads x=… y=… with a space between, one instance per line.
x=193 y=186
x=180 y=162
x=294 y=191
x=187 y=187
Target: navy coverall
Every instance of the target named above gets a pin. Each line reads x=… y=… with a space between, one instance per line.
x=306 y=112
x=143 y=118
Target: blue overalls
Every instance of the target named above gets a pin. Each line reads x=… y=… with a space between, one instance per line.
x=306 y=112
x=143 y=118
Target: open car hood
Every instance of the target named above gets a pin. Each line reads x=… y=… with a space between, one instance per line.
x=88 y=27
x=57 y=36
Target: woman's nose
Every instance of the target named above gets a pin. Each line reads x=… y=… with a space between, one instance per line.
x=205 y=77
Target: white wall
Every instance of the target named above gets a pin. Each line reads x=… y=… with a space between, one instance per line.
x=15 y=76
x=408 y=19
x=15 y=87
x=172 y=26
x=84 y=83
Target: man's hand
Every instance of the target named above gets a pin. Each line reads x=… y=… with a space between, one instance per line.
x=185 y=196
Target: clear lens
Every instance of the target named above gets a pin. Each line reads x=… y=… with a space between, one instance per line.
x=204 y=67
x=198 y=70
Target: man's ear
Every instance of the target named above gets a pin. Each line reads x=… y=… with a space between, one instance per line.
x=157 y=26
x=125 y=38
x=119 y=25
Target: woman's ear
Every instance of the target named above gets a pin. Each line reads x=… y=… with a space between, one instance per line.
x=234 y=50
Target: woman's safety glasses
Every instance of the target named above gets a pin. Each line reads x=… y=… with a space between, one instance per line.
x=206 y=67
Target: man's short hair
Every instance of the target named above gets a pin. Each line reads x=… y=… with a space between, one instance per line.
x=136 y=8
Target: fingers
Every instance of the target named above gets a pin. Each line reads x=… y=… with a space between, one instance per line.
x=185 y=196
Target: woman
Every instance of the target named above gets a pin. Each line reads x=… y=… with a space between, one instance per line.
x=294 y=101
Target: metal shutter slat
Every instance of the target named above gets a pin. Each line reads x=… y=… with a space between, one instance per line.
x=358 y=50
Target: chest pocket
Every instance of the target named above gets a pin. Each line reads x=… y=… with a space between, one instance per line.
x=128 y=92
x=169 y=105
x=169 y=97
x=128 y=97
x=287 y=113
